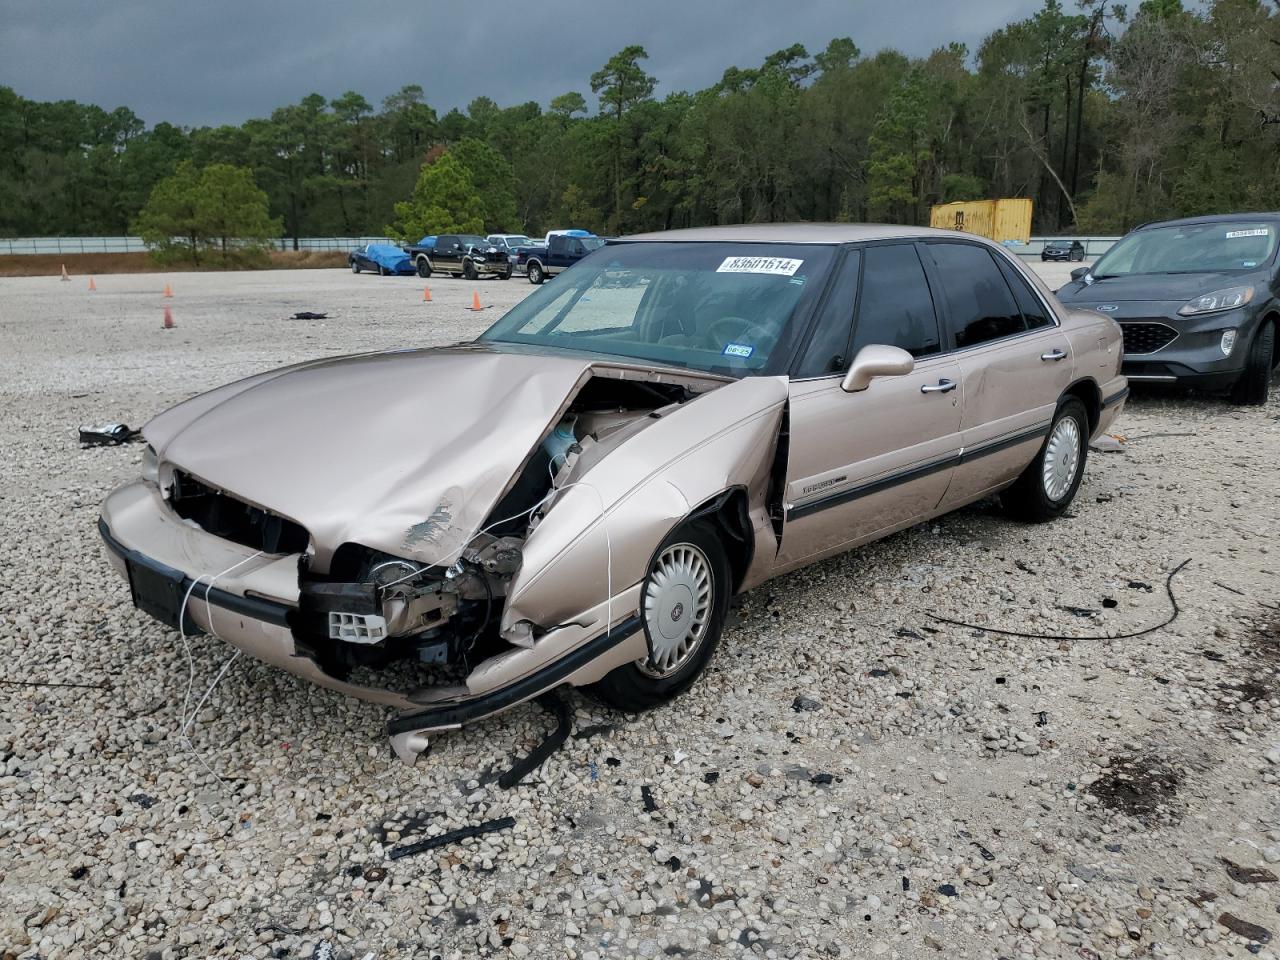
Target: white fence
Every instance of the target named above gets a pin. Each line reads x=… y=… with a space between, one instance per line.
x=32 y=245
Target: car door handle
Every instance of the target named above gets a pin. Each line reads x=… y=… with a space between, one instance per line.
x=942 y=386
x=1054 y=355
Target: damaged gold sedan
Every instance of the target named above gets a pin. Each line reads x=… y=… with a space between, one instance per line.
x=575 y=496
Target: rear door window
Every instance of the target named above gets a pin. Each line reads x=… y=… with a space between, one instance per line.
x=895 y=306
x=1033 y=310
x=980 y=306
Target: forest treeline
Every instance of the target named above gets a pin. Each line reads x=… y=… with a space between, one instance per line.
x=1104 y=116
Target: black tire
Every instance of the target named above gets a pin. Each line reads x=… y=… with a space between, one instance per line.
x=424 y=269
x=1029 y=498
x=536 y=276
x=1252 y=387
x=384 y=272
x=633 y=687
x=506 y=274
x=469 y=270
x=355 y=267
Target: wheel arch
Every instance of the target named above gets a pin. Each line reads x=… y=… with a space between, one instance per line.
x=1272 y=317
x=729 y=513
x=1087 y=392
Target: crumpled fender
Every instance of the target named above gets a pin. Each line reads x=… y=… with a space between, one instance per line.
x=603 y=529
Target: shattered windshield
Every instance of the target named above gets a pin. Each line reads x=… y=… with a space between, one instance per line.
x=719 y=307
x=1190 y=248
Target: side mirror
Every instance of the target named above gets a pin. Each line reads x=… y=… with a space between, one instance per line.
x=1079 y=272
x=876 y=360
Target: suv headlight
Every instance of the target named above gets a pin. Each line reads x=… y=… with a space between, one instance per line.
x=1227 y=299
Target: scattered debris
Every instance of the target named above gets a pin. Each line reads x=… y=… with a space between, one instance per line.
x=1109 y=603
x=1168 y=586
x=142 y=800
x=308 y=315
x=650 y=805
x=986 y=854
x=453 y=836
x=711 y=776
x=375 y=874
x=1240 y=874
x=1238 y=593
x=822 y=779
x=804 y=704
x=53 y=683
x=1108 y=443
x=553 y=703
x=877 y=672
x=586 y=733
x=948 y=890
x=107 y=434
x=1250 y=931
x=1139 y=585
x=1042 y=718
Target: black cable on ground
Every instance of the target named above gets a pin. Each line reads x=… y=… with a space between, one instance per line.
x=1168 y=586
x=453 y=836
x=553 y=703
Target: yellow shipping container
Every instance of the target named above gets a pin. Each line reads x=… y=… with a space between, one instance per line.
x=998 y=220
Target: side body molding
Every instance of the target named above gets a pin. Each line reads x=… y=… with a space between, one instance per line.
x=600 y=534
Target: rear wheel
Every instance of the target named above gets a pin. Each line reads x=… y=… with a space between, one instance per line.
x=535 y=273
x=685 y=598
x=1049 y=484
x=1252 y=387
x=424 y=269
x=383 y=272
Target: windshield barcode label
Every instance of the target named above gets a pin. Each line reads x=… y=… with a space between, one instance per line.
x=778 y=266
x=1257 y=232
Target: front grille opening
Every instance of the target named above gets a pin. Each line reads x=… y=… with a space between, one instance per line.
x=1142 y=338
x=225 y=516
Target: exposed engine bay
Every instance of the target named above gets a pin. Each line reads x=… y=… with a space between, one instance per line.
x=431 y=624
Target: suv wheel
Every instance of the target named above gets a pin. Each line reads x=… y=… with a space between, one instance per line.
x=684 y=598
x=1049 y=484
x=469 y=270
x=1251 y=389
x=424 y=268
x=535 y=273
x=355 y=267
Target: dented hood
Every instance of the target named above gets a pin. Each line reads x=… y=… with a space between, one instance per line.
x=405 y=452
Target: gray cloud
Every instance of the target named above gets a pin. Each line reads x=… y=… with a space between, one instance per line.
x=223 y=62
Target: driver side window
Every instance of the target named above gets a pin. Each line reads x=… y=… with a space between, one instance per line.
x=828 y=350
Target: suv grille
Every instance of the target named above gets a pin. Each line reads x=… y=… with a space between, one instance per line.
x=225 y=516
x=1142 y=338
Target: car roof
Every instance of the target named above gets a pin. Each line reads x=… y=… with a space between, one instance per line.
x=1213 y=218
x=827 y=233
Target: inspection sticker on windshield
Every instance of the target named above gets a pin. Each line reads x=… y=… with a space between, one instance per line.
x=1256 y=232
x=777 y=266
x=739 y=350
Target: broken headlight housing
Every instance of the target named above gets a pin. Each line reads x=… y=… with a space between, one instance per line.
x=150 y=465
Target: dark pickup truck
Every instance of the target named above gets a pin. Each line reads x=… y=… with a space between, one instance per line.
x=460 y=255
x=559 y=252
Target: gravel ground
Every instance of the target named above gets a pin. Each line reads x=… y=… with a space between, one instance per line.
x=853 y=777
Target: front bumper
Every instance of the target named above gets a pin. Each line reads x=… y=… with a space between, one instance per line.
x=491 y=267
x=252 y=606
x=1163 y=347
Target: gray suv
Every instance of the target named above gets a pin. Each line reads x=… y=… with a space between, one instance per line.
x=1198 y=301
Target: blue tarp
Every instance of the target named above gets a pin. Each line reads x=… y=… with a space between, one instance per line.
x=391 y=257
x=428 y=242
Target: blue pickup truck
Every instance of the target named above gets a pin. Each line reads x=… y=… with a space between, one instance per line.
x=561 y=250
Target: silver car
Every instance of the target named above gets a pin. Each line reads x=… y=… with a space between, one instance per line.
x=574 y=497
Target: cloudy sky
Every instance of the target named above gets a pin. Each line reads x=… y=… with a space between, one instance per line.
x=193 y=62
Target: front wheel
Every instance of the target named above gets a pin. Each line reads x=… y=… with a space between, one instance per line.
x=535 y=274
x=355 y=267
x=469 y=270
x=424 y=269
x=1252 y=387
x=684 y=598
x=506 y=274
x=1049 y=484
x=384 y=272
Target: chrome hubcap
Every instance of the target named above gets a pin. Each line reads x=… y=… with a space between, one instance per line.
x=1061 y=458
x=677 y=608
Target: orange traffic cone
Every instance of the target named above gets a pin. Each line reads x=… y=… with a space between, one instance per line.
x=475 y=301
x=168 y=318
x=65 y=278
x=168 y=290
x=426 y=294
x=92 y=285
